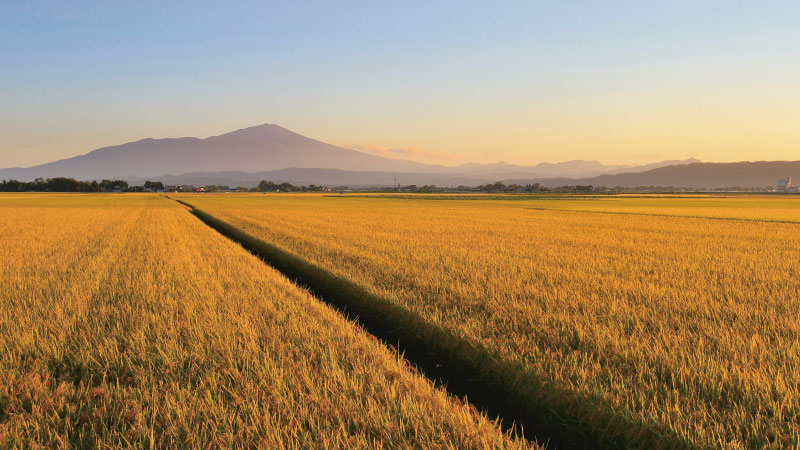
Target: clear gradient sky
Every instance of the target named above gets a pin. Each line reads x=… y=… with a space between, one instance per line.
x=446 y=82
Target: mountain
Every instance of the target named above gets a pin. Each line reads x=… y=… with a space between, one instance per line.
x=259 y=148
x=695 y=175
x=268 y=147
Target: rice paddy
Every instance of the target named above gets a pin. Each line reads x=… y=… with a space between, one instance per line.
x=643 y=322
x=126 y=322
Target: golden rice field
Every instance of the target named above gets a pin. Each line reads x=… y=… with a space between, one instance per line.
x=126 y=322
x=646 y=321
x=773 y=208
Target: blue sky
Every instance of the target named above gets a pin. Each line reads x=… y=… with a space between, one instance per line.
x=447 y=82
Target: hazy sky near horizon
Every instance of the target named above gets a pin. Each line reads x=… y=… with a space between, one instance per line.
x=444 y=82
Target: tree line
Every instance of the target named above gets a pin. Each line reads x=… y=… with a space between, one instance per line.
x=269 y=186
x=62 y=184
x=499 y=187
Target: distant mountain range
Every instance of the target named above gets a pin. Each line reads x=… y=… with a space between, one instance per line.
x=270 y=152
x=567 y=169
x=267 y=148
x=695 y=175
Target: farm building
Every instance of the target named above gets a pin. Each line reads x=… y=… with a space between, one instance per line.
x=785 y=185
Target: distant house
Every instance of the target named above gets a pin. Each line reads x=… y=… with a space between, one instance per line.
x=785 y=185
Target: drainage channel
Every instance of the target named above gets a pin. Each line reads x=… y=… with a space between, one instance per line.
x=456 y=379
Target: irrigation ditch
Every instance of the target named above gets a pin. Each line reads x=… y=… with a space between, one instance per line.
x=526 y=407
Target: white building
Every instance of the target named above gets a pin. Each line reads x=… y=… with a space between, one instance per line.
x=785 y=185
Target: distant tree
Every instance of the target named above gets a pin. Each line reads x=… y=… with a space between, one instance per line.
x=533 y=187
x=154 y=185
x=264 y=186
x=108 y=185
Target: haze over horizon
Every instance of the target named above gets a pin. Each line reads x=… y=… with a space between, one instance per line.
x=449 y=83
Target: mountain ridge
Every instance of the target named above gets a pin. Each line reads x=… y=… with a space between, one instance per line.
x=269 y=147
x=694 y=175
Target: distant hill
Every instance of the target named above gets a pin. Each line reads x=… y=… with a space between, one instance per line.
x=566 y=169
x=270 y=147
x=695 y=175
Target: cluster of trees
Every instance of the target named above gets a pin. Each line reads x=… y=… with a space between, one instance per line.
x=535 y=187
x=500 y=187
x=415 y=188
x=62 y=185
x=265 y=186
x=222 y=188
x=153 y=185
x=580 y=188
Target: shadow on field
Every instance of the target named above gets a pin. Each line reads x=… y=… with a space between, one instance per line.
x=525 y=406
